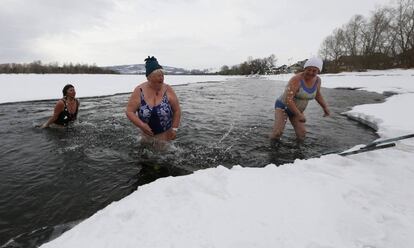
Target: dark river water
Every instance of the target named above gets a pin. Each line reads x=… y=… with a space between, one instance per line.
x=52 y=179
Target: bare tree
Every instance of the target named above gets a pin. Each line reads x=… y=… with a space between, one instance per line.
x=333 y=46
x=353 y=35
x=403 y=26
x=375 y=33
x=384 y=40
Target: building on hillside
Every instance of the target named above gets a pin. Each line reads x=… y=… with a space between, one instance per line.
x=298 y=66
x=279 y=70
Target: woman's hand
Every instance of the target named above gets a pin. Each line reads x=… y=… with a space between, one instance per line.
x=172 y=134
x=146 y=129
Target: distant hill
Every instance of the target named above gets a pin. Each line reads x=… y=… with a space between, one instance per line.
x=140 y=69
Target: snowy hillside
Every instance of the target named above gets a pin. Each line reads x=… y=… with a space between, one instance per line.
x=140 y=69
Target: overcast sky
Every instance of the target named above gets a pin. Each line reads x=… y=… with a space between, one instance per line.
x=181 y=33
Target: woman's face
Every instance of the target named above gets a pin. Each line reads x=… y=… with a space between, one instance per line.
x=311 y=72
x=71 y=92
x=157 y=76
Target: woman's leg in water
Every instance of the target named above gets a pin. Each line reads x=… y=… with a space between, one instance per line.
x=299 y=127
x=280 y=123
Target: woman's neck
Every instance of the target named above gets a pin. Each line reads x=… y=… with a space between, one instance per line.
x=309 y=80
x=155 y=87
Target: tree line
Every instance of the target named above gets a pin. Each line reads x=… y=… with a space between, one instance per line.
x=39 y=68
x=383 y=40
x=251 y=67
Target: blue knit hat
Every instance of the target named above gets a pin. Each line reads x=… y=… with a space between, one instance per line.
x=151 y=64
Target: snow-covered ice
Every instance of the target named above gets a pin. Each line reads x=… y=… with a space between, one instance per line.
x=28 y=87
x=396 y=80
x=363 y=200
x=327 y=202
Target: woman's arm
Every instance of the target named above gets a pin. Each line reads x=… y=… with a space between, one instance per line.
x=60 y=105
x=292 y=88
x=319 y=98
x=134 y=103
x=175 y=105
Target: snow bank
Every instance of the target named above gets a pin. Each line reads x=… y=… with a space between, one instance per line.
x=327 y=202
x=392 y=118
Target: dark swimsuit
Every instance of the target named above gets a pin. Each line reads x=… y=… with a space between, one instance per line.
x=65 y=117
x=159 y=117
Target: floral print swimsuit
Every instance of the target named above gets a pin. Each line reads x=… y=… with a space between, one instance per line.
x=159 y=117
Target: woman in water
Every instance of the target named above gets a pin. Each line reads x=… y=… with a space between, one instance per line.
x=292 y=103
x=66 y=109
x=153 y=106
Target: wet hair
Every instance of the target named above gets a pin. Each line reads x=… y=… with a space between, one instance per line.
x=65 y=89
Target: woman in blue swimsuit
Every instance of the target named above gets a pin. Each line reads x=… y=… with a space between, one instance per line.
x=153 y=106
x=301 y=88
x=66 y=109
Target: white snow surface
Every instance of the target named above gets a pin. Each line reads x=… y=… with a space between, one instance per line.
x=28 y=87
x=364 y=200
x=395 y=80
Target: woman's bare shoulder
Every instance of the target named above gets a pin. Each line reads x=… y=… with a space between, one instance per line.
x=140 y=86
x=295 y=79
x=60 y=102
x=168 y=87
